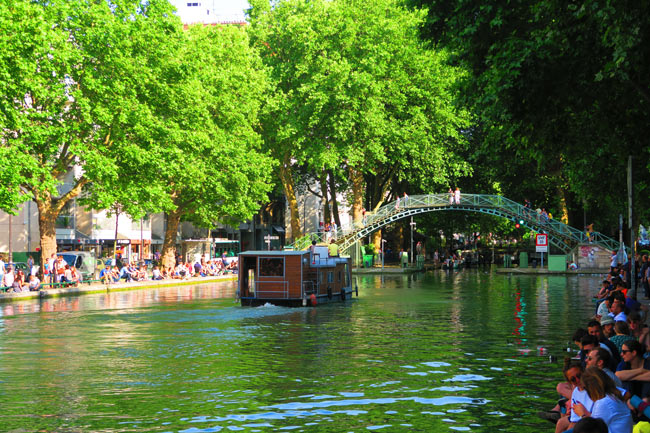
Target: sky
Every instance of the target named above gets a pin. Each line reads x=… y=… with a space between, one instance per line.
x=220 y=10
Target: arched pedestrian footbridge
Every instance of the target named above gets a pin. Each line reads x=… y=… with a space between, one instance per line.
x=561 y=235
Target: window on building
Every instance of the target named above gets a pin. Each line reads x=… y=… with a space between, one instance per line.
x=193 y=4
x=271 y=267
x=330 y=277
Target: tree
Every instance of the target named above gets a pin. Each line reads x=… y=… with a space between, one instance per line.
x=357 y=92
x=69 y=115
x=204 y=106
x=560 y=86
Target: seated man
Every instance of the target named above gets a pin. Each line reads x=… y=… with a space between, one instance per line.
x=34 y=283
x=156 y=274
x=601 y=358
x=105 y=275
x=596 y=330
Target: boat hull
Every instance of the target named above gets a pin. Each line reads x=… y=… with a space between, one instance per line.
x=346 y=295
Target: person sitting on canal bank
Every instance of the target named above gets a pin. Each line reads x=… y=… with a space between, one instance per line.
x=156 y=274
x=596 y=330
x=573 y=371
x=638 y=328
x=34 y=283
x=617 y=308
x=601 y=358
x=105 y=275
x=590 y=425
x=607 y=324
x=589 y=343
x=8 y=278
x=622 y=331
x=607 y=401
x=634 y=368
x=333 y=249
x=19 y=281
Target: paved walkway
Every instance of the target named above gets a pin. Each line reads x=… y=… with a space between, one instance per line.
x=84 y=289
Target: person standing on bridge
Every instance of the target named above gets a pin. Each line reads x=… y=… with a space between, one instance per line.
x=397 y=203
x=457 y=195
x=451 y=196
x=406 y=199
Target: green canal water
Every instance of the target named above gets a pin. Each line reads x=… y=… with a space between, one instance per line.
x=435 y=352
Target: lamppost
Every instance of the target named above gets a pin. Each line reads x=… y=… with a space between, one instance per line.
x=383 y=251
x=412 y=224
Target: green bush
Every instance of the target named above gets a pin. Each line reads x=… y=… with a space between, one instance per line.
x=369 y=249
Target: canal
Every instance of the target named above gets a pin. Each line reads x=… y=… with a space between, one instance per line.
x=435 y=352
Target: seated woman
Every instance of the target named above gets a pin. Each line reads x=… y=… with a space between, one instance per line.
x=67 y=276
x=143 y=275
x=75 y=278
x=115 y=274
x=19 y=281
x=633 y=368
x=622 y=334
x=608 y=403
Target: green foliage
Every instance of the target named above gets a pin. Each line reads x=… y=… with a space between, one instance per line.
x=559 y=102
x=355 y=87
x=370 y=249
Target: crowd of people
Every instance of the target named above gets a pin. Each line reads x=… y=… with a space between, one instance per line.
x=611 y=366
x=181 y=271
x=18 y=280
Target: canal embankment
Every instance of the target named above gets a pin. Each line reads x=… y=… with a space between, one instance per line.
x=98 y=287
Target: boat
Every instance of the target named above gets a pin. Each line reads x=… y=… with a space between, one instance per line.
x=294 y=278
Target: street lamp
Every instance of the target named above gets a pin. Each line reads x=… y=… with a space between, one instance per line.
x=412 y=224
x=383 y=251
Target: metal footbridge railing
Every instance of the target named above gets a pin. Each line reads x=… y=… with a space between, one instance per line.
x=561 y=235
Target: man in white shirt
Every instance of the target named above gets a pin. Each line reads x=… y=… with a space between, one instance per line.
x=8 y=278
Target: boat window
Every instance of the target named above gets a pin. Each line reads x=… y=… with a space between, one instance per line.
x=272 y=267
x=340 y=279
x=330 y=277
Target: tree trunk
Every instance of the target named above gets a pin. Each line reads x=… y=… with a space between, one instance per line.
x=356 y=177
x=47 y=225
x=289 y=190
x=169 y=244
x=327 y=217
x=48 y=209
x=564 y=211
x=335 y=206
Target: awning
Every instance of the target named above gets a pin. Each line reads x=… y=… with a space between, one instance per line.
x=278 y=229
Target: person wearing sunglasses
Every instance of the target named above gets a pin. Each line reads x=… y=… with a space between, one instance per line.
x=600 y=358
x=634 y=370
x=573 y=371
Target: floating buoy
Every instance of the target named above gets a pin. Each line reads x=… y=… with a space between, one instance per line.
x=313 y=300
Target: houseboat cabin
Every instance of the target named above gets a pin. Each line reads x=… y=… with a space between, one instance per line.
x=293 y=278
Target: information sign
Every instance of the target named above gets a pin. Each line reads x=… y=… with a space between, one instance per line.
x=541 y=243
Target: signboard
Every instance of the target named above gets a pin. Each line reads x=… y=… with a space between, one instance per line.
x=541 y=243
x=269 y=237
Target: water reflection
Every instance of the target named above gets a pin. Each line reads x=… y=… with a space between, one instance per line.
x=439 y=352
x=122 y=299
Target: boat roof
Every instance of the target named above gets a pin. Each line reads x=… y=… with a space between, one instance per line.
x=273 y=253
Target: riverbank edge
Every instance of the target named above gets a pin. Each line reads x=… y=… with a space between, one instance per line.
x=117 y=287
x=544 y=271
